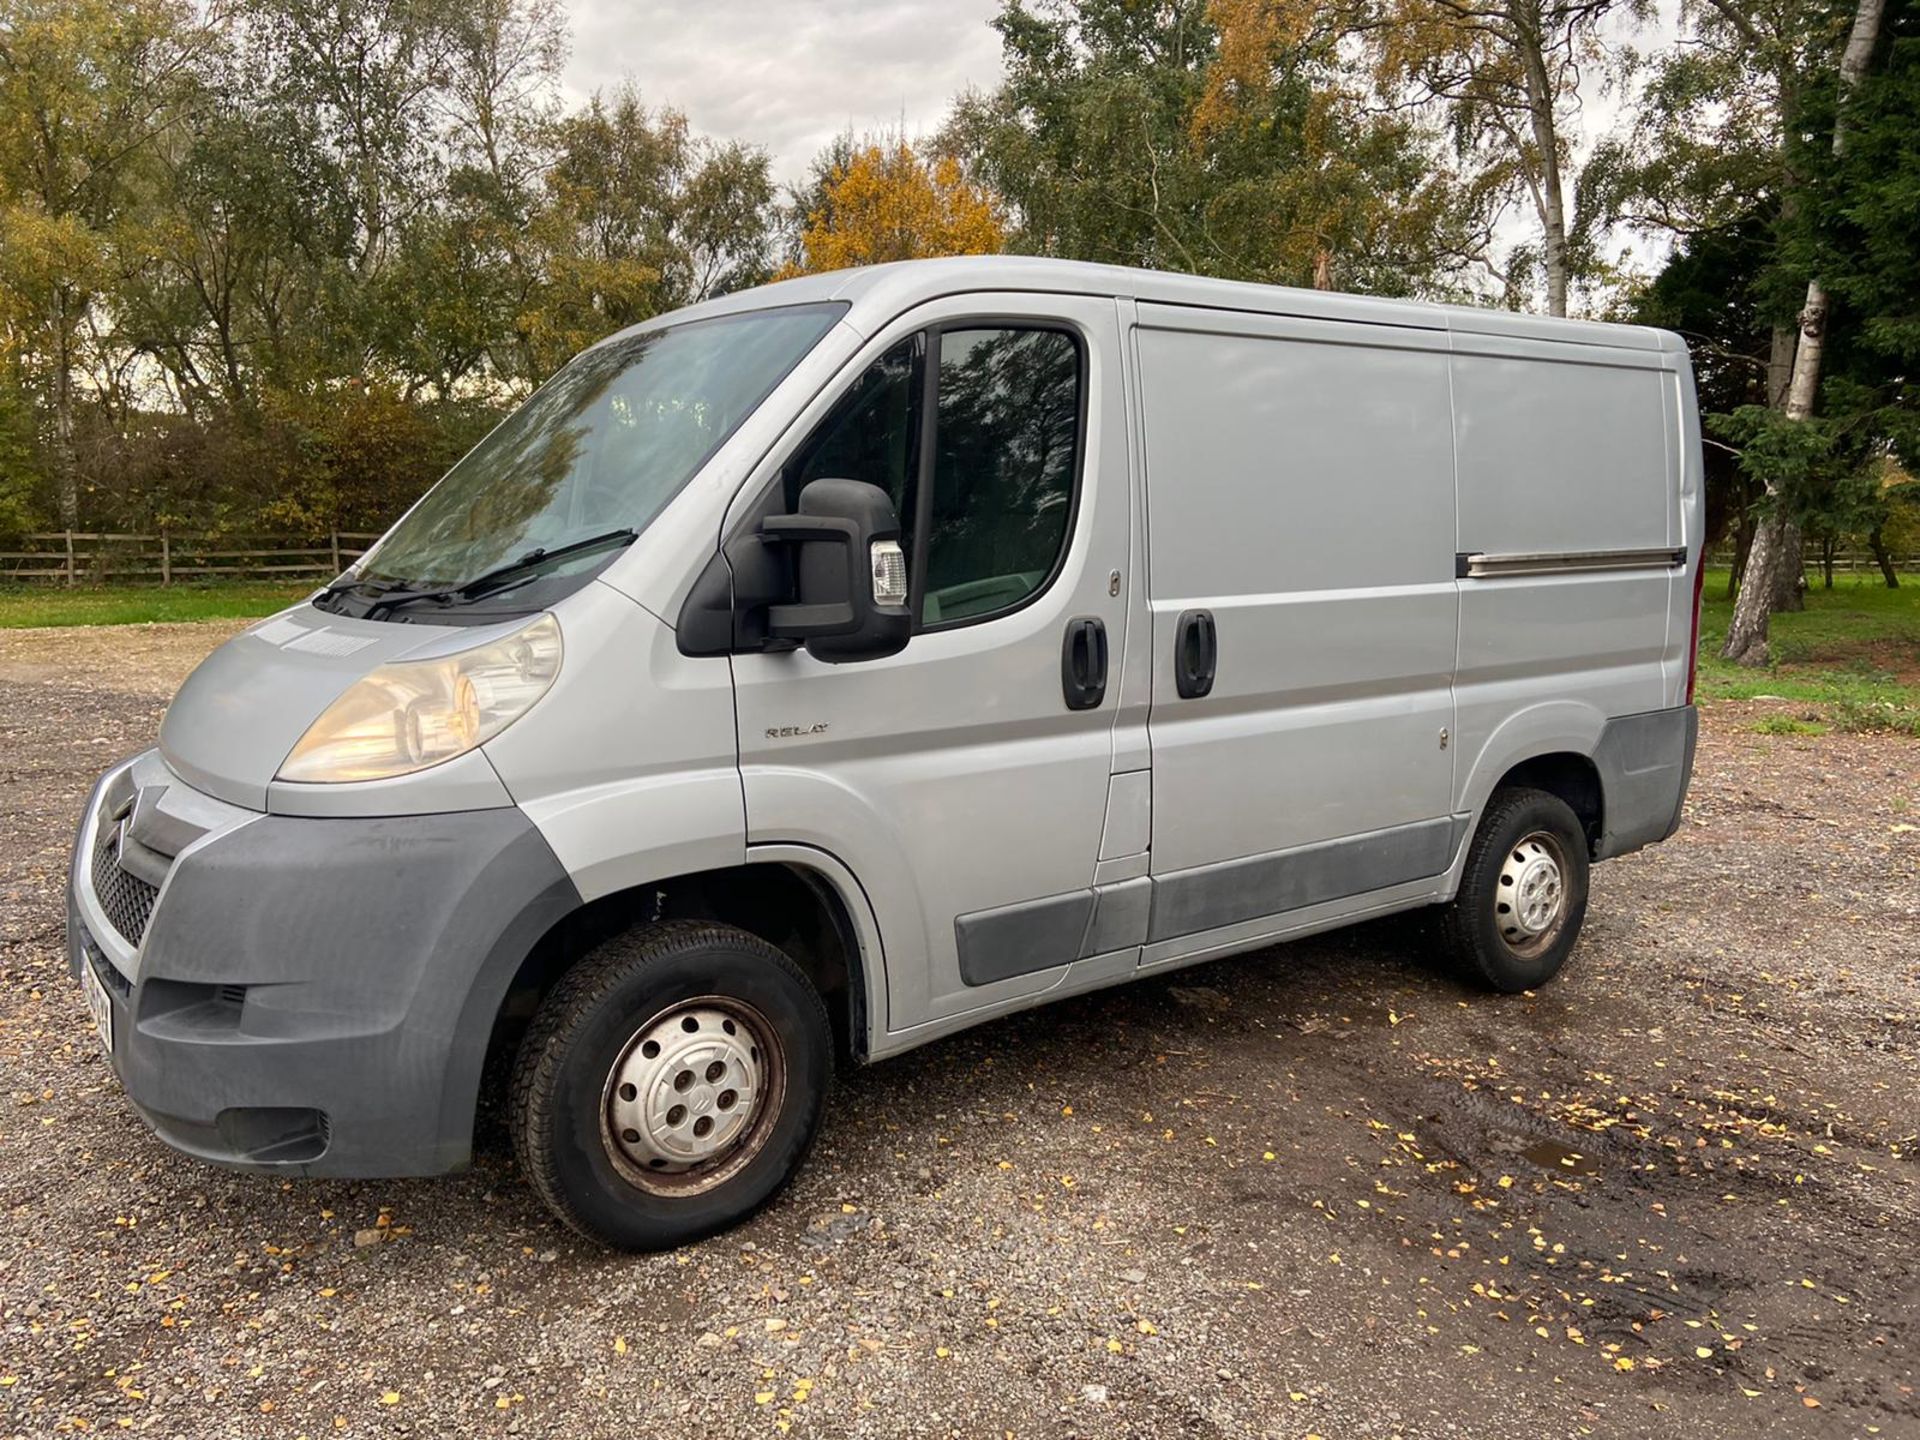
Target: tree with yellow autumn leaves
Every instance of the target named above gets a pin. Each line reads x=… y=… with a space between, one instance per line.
x=879 y=200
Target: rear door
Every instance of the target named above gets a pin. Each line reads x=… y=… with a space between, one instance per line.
x=1300 y=505
x=955 y=779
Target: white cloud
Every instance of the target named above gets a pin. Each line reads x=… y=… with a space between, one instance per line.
x=788 y=75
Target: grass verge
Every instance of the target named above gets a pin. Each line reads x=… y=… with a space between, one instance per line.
x=1854 y=652
x=24 y=606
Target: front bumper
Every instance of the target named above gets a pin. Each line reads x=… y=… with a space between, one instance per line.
x=306 y=996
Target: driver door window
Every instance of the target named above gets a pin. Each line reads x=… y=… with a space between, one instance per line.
x=985 y=494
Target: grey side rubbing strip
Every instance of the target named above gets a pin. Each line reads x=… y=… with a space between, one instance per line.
x=1209 y=896
x=1478 y=566
x=1019 y=939
x=1119 y=917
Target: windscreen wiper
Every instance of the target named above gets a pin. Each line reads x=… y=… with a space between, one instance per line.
x=355 y=584
x=502 y=576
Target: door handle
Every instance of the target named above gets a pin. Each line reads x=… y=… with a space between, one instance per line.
x=1083 y=663
x=1196 y=653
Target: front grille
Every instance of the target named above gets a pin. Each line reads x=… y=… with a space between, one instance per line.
x=103 y=967
x=125 y=897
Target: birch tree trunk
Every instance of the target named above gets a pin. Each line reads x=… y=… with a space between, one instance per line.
x=1747 y=635
x=1546 y=142
x=1786 y=575
x=1789 y=584
x=66 y=480
x=1780 y=365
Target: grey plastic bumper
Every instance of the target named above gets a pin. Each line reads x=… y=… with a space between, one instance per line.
x=1645 y=763
x=316 y=996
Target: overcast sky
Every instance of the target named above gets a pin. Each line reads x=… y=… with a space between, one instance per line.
x=788 y=75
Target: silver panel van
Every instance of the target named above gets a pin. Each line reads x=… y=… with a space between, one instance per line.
x=817 y=671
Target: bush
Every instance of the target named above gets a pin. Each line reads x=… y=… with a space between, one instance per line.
x=348 y=458
x=20 y=477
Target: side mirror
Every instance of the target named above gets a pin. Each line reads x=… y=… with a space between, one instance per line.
x=850 y=576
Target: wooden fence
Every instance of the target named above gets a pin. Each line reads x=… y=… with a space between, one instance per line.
x=75 y=557
x=1845 y=562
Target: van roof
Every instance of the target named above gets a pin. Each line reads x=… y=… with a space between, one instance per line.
x=879 y=292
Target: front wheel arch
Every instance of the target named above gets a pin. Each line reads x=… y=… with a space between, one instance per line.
x=642 y=1044
x=793 y=897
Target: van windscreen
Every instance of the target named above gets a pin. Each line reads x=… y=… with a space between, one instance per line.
x=592 y=456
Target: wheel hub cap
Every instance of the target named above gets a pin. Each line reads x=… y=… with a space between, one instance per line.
x=1532 y=891
x=686 y=1089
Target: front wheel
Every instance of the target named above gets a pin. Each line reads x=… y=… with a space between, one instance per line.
x=670 y=1084
x=1523 y=893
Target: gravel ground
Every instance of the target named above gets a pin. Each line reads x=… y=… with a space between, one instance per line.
x=1322 y=1190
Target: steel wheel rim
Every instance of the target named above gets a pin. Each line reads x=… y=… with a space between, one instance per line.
x=1530 y=895
x=692 y=1096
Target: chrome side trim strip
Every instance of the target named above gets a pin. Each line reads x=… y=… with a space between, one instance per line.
x=1478 y=566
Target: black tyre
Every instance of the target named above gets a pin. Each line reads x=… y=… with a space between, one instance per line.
x=670 y=1084
x=1523 y=894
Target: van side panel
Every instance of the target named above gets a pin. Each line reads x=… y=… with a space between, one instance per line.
x=1300 y=488
x=1563 y=451
x=1561 y=448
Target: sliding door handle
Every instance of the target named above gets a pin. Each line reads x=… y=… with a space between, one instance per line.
x=1196 y=653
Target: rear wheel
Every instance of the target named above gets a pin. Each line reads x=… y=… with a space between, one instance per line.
x=1523 y=892
x=670 y=1084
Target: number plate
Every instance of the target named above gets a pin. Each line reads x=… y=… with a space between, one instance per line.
x=98 y=1005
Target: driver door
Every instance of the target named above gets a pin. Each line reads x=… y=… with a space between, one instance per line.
x=954 y=778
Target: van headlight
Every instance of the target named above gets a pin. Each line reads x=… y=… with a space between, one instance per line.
x=412 y=714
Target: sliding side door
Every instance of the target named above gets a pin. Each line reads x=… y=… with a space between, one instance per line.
x=1300 y=513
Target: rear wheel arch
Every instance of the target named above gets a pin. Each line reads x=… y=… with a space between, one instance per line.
x=1553 y=737
x=1572 y=777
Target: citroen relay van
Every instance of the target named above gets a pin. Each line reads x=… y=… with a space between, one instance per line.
x=814 y=672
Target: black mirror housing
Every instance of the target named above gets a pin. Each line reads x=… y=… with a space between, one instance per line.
x=832 y=537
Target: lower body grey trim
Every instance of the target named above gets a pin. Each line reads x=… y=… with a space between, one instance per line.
x=1119 y=917
x=1050 y=932
x=1210 y=896
x=1645 y=763
x=1058 y=929
x=1019 y=939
